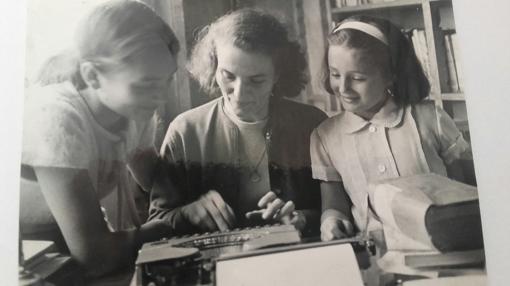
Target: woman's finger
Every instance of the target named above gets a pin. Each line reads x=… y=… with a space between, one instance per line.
x=273 y=208
x=286 y=210
x=266 y=199
x=214 y=214
x=203 y=219
x=225 y=210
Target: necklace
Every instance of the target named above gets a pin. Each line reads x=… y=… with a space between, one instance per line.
x=254 y=174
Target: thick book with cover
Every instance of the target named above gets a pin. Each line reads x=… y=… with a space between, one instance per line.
x=449 y=259
x=428 y=212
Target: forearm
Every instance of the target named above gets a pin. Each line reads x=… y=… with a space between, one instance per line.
x=121 y=246
x=334 y=197
x=166 y=200
x=106 y=253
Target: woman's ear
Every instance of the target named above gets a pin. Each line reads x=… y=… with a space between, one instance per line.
x=90 y=75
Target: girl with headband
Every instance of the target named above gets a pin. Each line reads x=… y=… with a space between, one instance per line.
x=89 y=132
x=386 y=129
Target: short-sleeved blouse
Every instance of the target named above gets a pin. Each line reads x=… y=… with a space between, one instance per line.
x=60 y=131
x=397 y=141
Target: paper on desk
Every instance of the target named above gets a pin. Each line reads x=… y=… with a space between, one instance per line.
x=394 y=262
x=389 y=202
x=324 y=265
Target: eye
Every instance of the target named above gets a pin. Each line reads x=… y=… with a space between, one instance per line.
x=257 y=80
x=228 y=75
x=358 y=77
x=334 y=74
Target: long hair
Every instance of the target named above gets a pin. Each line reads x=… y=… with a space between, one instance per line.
x=410 y=84
x=252 y=31
x=107 y=36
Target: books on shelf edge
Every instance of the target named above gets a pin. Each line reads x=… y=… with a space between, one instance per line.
x=427 y=212
x=339 y=3
x=351 y=3
x=458 y=61
x=453 y=83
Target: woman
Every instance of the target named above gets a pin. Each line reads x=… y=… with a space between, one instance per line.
x=243 y=158
x=91 y=125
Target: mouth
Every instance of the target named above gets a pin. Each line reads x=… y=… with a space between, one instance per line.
x=349 y=99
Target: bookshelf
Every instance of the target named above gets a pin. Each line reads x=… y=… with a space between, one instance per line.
x=435 y=21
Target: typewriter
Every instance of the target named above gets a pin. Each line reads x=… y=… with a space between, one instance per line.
x=191 y=259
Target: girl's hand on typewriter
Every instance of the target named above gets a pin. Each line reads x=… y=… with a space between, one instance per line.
x=210 y=213
x=335 y=228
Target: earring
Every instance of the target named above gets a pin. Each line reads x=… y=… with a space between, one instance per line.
x=389 y=92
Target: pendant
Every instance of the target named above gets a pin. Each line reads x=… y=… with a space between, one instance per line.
x=255 y=177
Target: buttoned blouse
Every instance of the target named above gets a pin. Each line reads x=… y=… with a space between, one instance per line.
x=397 y=141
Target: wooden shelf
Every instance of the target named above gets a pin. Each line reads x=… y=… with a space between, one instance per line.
x=383 y=5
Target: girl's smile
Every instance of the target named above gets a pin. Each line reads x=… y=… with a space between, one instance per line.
x=359 y=84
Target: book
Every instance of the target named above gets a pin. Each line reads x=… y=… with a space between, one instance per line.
x=339 y=3
x=351 y=3
x=427 y=212
x=458 y=61
x=466 y=258
x=34 y=251
x=450 y=64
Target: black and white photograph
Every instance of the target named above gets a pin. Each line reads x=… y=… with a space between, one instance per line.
x=260 y=142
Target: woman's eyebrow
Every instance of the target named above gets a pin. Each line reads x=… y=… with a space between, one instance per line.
x=259 y=75
x=154 y=79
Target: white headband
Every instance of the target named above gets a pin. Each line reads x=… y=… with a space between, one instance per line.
x=365 y=28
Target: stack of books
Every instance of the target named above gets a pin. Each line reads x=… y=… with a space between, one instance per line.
x=430 y=222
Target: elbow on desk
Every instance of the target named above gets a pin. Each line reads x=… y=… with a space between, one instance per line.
x=102 y=255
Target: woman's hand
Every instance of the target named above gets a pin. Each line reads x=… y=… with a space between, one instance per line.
x=275 y=209
x=210 y=213
x=336 y=228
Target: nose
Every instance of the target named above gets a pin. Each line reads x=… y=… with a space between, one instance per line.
x=343 y=84
x=239 y=89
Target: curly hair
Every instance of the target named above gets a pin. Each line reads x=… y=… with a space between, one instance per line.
x=251 y=30
x=397 y=59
